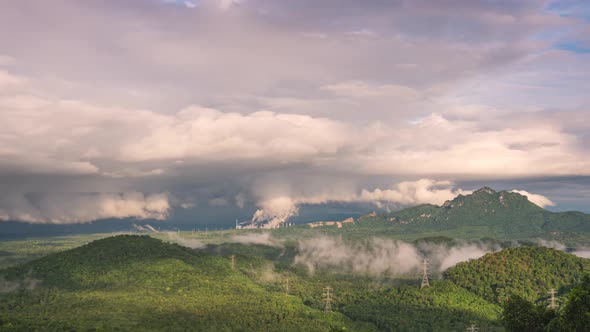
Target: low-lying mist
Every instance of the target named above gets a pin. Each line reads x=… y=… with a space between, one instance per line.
x=375 y=256
x=258 y=238
x=384 y=257
x=183 y=241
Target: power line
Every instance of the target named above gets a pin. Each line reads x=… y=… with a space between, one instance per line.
x=327 y=298
x=425 y=282
x=472 y=328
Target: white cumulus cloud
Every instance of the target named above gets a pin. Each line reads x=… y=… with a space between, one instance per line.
x=537 y=199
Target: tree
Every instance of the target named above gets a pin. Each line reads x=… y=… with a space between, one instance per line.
x=576 y=313
x=522 y=315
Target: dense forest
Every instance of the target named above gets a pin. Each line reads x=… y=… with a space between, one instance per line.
x=139 y=283
x=522 y=315
x=529 y=272
x=133 y=283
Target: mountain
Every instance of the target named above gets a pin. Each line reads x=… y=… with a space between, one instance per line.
x=529 y=272
x=488 y=213
x=138 y=283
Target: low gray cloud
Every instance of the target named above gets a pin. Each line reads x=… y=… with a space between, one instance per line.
x=580 y=251
x=184 y=241
x=383 y=257
x=583 y=252
x=82 y=207
x=258 y=238
x=378 y=257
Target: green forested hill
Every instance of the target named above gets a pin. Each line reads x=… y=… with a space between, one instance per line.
x=133 y=283
x=529 y=272
x=487 y=213
x=139 y=283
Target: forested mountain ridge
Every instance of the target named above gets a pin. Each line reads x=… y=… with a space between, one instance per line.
x=141 y=283
x=138 y=283
x=488 y=213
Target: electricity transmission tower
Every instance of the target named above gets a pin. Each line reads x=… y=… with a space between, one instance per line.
x=233 y=262
x=472 y=328
x=286 y=285
x=425 y=282
x=327 y=297
x=552 y=304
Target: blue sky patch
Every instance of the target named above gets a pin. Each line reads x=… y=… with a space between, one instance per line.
x=575 y=8
x=576 y=46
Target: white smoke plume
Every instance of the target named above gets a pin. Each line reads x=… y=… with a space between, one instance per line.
x=140 y=228
x=378 y=257
x=263 y=238
x=147 y=228
x=275 y=211
x=151 y=228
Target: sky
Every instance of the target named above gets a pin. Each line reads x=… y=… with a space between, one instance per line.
x=209 y=111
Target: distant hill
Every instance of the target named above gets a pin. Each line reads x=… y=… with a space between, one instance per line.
x=529 y=272
x=488 y=213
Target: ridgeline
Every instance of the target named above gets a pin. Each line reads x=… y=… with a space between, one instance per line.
x=500 y=215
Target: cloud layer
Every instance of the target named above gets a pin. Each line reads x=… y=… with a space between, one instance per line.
x=272 y=105
x=82 y=208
